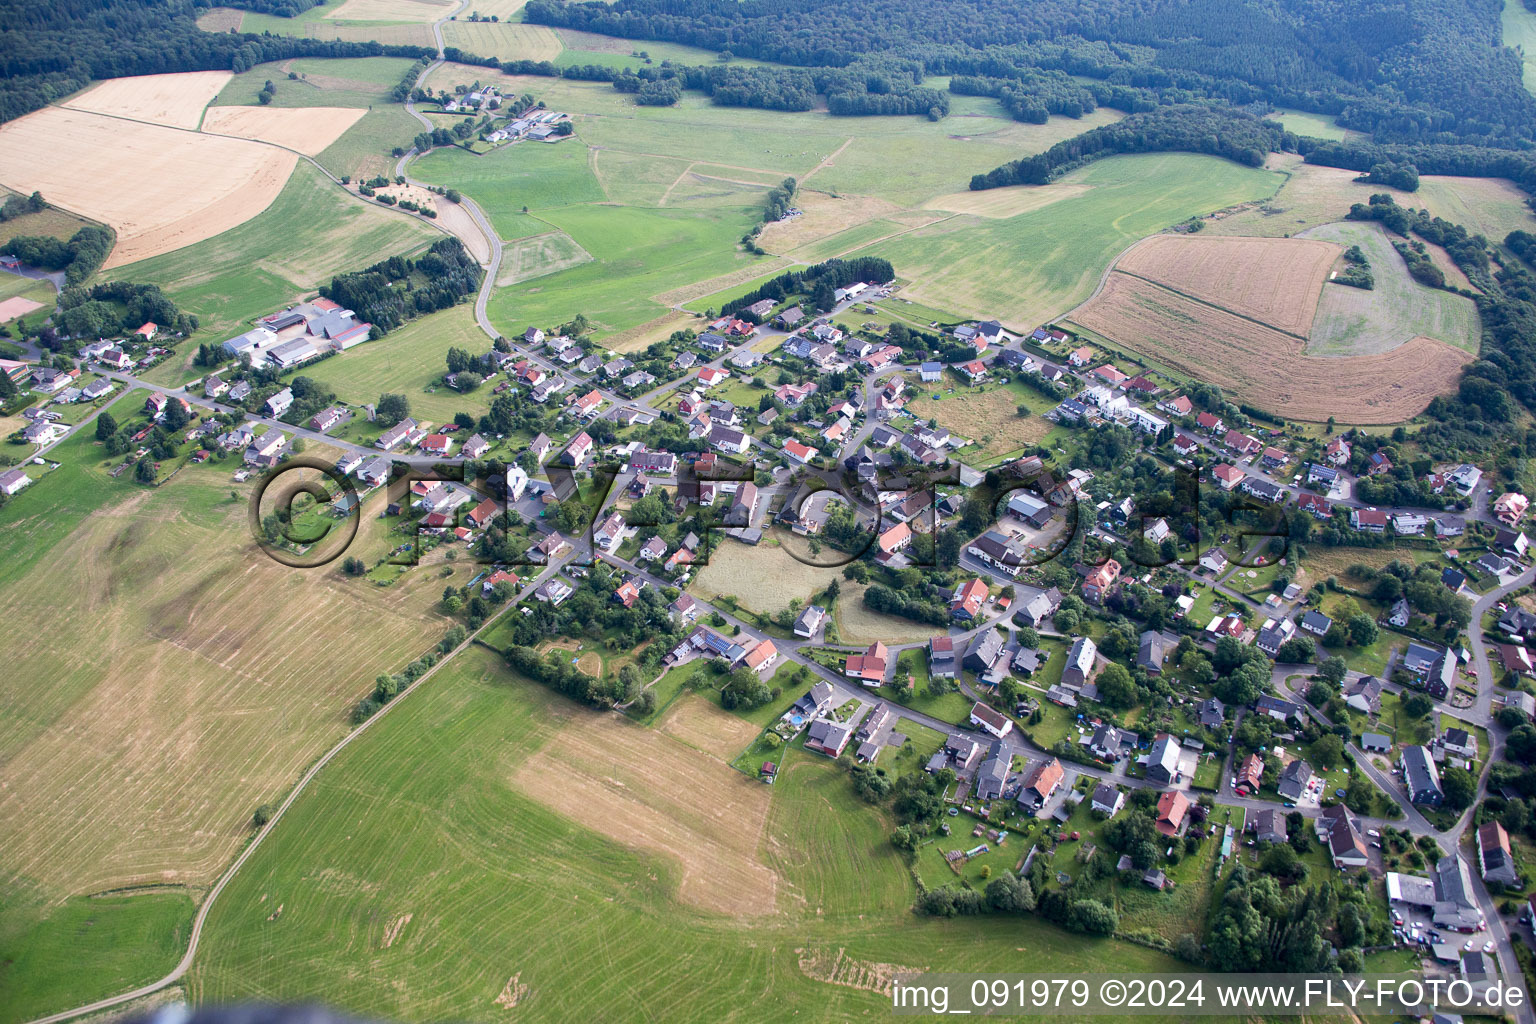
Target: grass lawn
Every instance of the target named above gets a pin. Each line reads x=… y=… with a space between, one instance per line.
x=51 y=222
x=310 y=232
x=953 y=706
x=986 y=415
x=410 y=361
x=1057 y=723
x=127 y=938
x=13 y=286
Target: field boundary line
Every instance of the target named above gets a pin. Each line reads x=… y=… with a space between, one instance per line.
x=1212 y=305
x=864 y=245
x=334 y=180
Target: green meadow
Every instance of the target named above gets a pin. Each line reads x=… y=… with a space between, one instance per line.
x=127 y=939
x=1352 y=321
x=363 y=150
x=637 y=254
x=499 y=896
x=312 y=231
x=537 y=176
x=322 y=82
x=1034 y=265
x=1318 y=126
x=410 y=361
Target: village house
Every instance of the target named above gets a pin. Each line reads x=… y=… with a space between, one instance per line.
x=1172 y=808
x=990 y=720
x=870 y=667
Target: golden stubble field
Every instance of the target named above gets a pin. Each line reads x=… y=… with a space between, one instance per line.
x=1263 y=366
x=160 y=188
x=308 y=130
x=176 y=99
x=166 y=678
x=1273 y=280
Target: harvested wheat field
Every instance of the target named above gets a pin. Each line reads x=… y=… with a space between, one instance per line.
x=308 y=130
x=392 y=10
x=822 y=215
x=1273 y=280
x=1001 y=203
x=451 y=217
x=702 y=724
x=160 y=188
x=638 y=339
x=176 y=100
x=1264 y=367
x=647 y=790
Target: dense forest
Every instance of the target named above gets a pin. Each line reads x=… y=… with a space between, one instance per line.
x=393 y=291
x=1405 y=71
x=1196 y=129
x=50 y=48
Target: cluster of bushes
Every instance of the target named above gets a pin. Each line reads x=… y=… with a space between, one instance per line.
x=79 y=257
x=394 y=290
x=1032 y=95
x=1357 y=271
x=555 y=671
x=19 y=206
x=819 y=281
x=1403 y=176
x=107 y=310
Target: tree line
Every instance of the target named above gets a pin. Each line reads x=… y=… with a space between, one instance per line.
x=393 y=291
x=1190 y=128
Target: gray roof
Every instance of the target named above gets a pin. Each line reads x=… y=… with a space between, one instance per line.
x=1419 y=772
x=1293 y=779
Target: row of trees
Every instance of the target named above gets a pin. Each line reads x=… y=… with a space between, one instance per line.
x=1187 y=128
